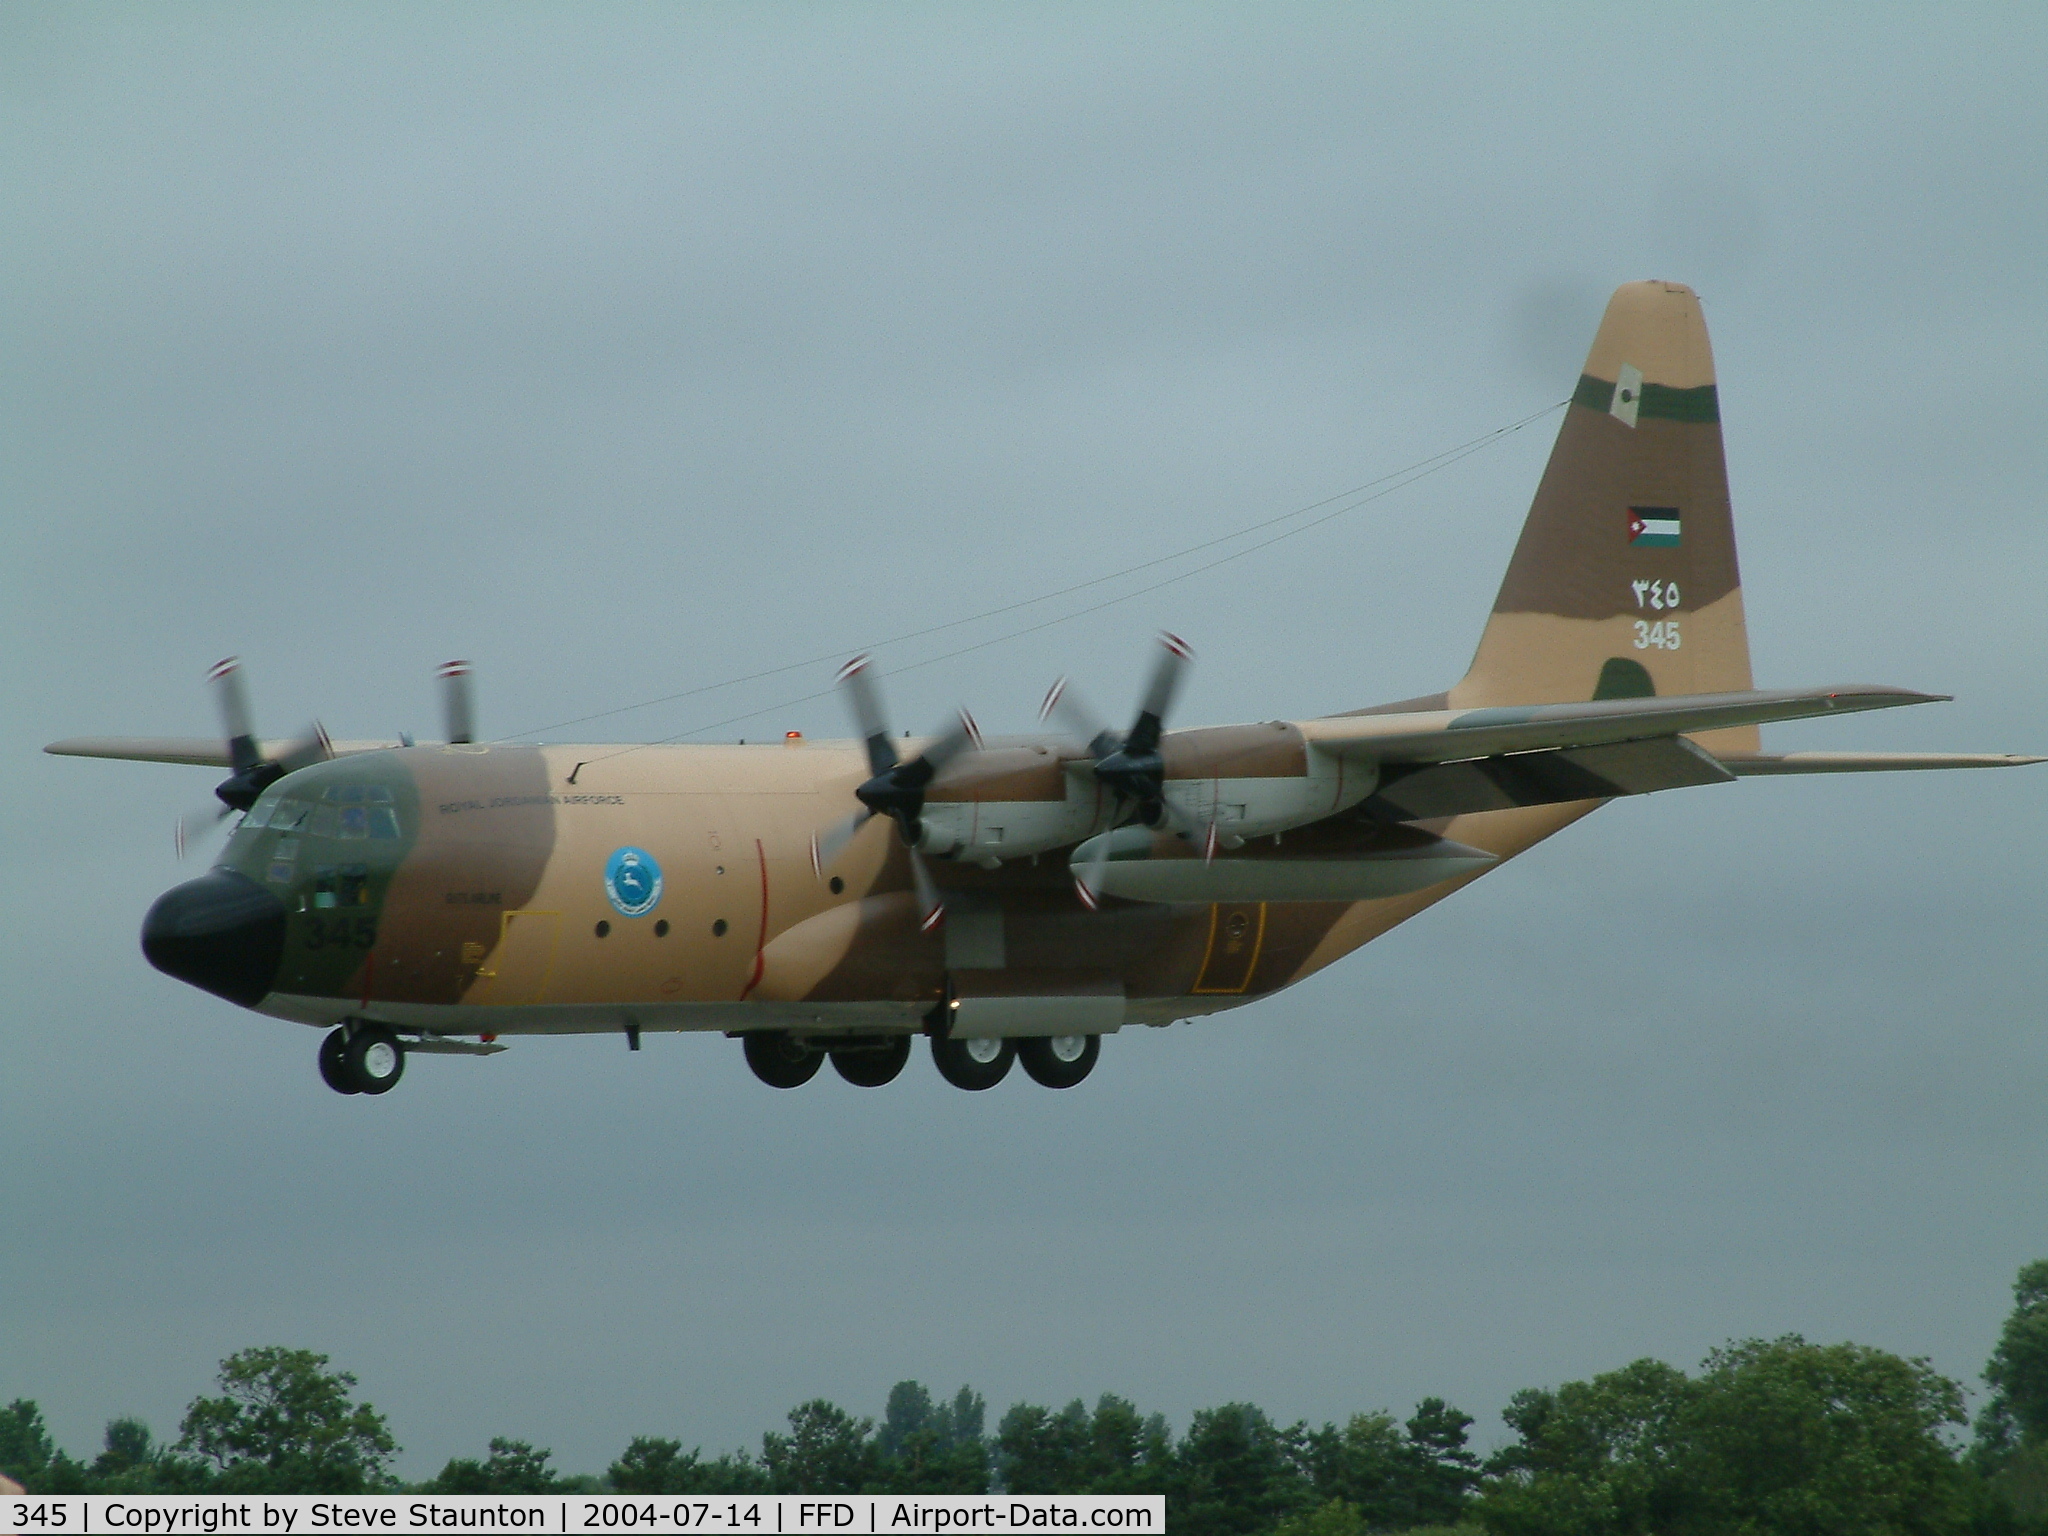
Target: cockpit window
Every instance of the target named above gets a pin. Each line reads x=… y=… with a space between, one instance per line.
x=352 y=811
x=259 y=816
x=289 y=815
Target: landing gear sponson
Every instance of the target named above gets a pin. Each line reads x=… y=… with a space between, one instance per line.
x=783 y=1060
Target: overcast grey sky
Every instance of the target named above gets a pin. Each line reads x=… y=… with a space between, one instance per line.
x=630 y=349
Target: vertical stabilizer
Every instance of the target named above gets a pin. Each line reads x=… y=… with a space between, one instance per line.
x=1624 y=581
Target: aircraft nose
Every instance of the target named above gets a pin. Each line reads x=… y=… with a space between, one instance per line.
x=223 y=933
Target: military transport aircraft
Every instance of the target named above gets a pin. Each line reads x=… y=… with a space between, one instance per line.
x=1015 y=898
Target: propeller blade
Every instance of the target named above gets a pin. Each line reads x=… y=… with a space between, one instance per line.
x=864 y=698
x=1088 y=880
x=931 y=906
x=828 y=845
x=1083 y=723
x=313 y=746
x=963 y=736
x=195 y=825
x=457 y=704
x=1174 y=656
x=226 y=677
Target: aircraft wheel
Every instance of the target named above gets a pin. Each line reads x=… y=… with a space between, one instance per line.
x=779 y=1059
x=973 y=1064
x=871 y=1067
x=332 y=1072
x=373 y=1061
x=1059 y=1061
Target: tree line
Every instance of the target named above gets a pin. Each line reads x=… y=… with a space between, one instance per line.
x=1768 y=1437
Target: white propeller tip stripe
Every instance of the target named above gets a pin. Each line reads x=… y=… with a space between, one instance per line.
x=858 y=664
x=1052 y=699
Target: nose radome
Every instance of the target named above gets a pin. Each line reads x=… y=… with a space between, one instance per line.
x=223 y=933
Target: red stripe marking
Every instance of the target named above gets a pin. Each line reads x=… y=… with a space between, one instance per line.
x=761 y=943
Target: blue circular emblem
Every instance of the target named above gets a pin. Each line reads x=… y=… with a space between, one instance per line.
x=633 y=881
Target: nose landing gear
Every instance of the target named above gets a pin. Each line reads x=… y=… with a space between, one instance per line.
x=362 y=1058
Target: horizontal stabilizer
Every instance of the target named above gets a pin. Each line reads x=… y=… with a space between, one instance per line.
x=1443 y=736
x=1759 y=764
x=195 y=751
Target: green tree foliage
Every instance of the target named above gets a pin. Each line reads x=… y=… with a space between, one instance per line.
x=2017 y=1414
x=25 y=1446
x=284 y=1423
x=653 y=1465
x=927 y=1447
x=827 y=1450
x=513 y=1466
x=1112 y=1450
x=1774 y=1436
x=1239 y=1473
x=2011 y=1449
x=1394 y=1476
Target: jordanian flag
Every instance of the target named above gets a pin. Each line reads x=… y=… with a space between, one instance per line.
x=1653 y=527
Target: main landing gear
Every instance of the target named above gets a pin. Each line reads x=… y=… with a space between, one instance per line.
x=362 y=1058
x=783 y=1060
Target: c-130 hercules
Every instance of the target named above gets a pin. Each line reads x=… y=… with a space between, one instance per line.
x=1028 y=895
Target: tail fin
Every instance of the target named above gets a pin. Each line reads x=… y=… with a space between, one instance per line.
x=1624 y=582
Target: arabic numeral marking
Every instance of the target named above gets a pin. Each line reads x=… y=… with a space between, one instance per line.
x=1660 y=595
x=1661 y=636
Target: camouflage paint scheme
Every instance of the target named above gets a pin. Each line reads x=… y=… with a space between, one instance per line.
x=459 y=890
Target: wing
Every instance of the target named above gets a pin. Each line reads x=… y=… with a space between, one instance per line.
x=196 y=751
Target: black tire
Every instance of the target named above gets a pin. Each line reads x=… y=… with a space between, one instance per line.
x=332 y=1072
x=373 y=1061
x=871 y=1066
x=780 y=1060
x=1059 y=1061
x=973 y=1064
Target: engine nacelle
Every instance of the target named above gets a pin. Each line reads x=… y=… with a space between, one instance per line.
x=1244 y=805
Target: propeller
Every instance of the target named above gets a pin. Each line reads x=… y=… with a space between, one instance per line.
x=250 y=771
x=457 y=702
x=1130 y=765
x=893 y=788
